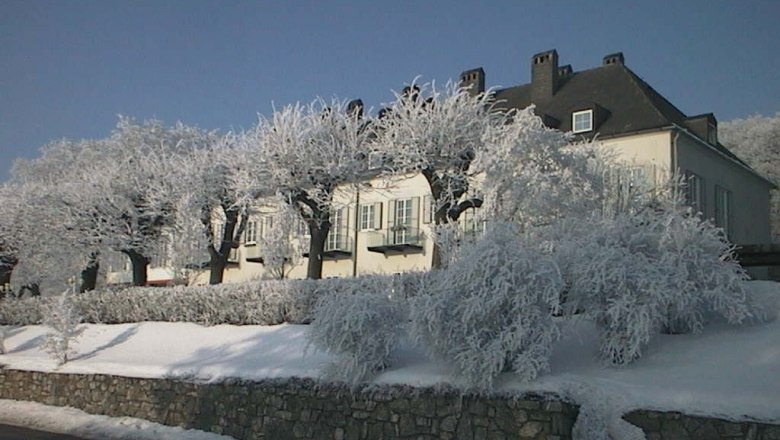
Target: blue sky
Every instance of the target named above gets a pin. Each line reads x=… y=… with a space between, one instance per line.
x=67 y=68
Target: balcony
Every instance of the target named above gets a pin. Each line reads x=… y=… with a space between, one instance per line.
x=252 y=253
x=337 y=247
x=396 y=240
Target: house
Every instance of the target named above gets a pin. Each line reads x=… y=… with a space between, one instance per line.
x=385 y=228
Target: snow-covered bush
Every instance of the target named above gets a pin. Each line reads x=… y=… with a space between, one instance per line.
x=64 y=328
x=490 y=310
x=361 y=328
x=265 y=302
x=635 y=274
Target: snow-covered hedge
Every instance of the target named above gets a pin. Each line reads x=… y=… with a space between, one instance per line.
x=360 y=327
x=251 y=303
x=490 y=310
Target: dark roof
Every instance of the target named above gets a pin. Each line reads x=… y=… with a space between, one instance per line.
x=626 y=102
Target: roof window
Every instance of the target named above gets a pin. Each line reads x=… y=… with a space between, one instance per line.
x=582 y=121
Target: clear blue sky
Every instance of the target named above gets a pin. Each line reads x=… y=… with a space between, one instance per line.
x=67 y=68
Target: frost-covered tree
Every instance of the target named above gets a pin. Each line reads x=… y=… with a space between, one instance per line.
x=64 y=328
x=215 y=192
x=499 y=317
x=534 y=175
x=308 y=151
x=438 y=132
x=757 y=141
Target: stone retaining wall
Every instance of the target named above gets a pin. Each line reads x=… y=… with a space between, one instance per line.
x=675 y=426
x=298 y=408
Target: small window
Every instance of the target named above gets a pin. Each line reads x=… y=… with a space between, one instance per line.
x=582 y=121
x=723 y=209
x=251 y=232
x=370 y=217
x=694 y=191
x=375 y=160
x=712 y=134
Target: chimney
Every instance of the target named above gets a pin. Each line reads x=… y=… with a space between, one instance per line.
x=613 y=58
x=704 y=126
x=544 y=75
x=474 y=80
x=355 y=107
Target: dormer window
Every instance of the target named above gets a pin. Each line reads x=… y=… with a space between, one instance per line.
x=712 y=134
x=582 y=121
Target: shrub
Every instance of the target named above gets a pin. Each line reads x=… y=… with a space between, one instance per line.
x=490 y=310
x=360 y=327
x=636 y=274
x=63 y=322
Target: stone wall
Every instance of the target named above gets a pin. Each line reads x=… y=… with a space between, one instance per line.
x=675 y=426
x=299 y=408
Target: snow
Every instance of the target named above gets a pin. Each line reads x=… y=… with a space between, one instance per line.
x=74 y=422
x=726 y=371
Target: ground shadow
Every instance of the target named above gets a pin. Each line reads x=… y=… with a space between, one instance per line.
x=119 y=339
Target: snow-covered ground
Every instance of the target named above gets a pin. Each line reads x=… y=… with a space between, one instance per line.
x=731 y=372
x=78 y=423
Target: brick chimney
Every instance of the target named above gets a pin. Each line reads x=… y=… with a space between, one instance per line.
x=613 y=58
x=473 y=79
x=544 y=75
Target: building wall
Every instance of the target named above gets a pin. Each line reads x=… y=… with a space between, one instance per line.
x=749 y=213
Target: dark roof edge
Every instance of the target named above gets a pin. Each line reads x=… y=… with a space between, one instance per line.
x=729 y=158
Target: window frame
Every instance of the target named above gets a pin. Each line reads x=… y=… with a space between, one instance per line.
x=722 y=215
x=574 y=116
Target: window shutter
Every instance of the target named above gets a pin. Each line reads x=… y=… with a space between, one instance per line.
x=415 y=220
x=377 y=216
x=390 y=214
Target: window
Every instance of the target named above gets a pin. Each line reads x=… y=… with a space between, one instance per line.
x=334 y=240
x=370 y=217
x=694 y=191
x=723 y=209
x=375 y=160
x=712 y=134
x=582 y=121
x=251 y=232
x=402 y=220
x=471 y=227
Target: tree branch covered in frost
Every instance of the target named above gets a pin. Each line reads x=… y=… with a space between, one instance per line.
x=534 y=174
x=63 y=322
x=439 y=132
x=490 y=310
x=308 y=151
x=360 y=327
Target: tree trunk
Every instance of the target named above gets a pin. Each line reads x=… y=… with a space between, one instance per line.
x=89 y=275
x=7 y=264
x=140 y=264
x=34 y=289
x=217 y=264
x=316 y=249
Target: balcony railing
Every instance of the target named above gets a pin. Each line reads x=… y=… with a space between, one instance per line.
x=396 y=240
